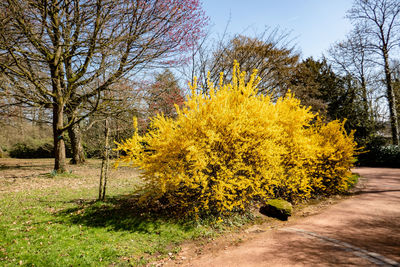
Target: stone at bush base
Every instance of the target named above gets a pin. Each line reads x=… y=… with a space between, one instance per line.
x=277 y=208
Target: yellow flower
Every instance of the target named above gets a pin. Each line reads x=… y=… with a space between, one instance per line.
x=232 y=146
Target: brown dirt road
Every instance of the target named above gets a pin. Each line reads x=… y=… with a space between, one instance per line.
x=363 y=230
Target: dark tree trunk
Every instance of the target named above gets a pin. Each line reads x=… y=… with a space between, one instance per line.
x=392 y=101
x=78 y=153
x=364 y=95
x=59 y=144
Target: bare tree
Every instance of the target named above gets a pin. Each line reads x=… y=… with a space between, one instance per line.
x=351 y=57
x=271 y=52
x=396 y=83
x=381 y=21
x=58 y=50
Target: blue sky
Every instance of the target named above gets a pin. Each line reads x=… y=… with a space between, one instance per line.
x=315 y=24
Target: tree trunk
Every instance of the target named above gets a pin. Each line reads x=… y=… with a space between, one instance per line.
x=364 y=95
x=78 y=154
x=368 y=112
x=105 y=163
x=392 y=101
x=59 y=144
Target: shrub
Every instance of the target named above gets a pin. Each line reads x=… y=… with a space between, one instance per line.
x=335 y=157
x=3 y=153
x=32 y=149
x=379 y=154
x=36 y=148
x=234 y=146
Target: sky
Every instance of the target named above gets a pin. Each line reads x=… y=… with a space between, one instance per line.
x=314 y=24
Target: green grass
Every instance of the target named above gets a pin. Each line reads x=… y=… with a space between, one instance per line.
x=54 y=174
x=55 y=220
x=59 y=222
x=353 y=180
x=58 y=228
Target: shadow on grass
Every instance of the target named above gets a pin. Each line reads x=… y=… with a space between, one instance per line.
x=122 y=213
x=4 y=167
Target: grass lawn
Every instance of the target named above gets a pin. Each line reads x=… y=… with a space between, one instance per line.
x=50 y=220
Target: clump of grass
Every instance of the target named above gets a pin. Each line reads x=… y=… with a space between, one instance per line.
x=55 y=174
x=353 y=180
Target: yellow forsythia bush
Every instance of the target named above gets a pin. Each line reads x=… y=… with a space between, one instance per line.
x=336 y=149
x=232 y=146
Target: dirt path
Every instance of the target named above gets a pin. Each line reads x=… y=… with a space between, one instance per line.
x=363 y=230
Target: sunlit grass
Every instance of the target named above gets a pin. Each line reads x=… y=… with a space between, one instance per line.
x=56 y=220
x=59 y=222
